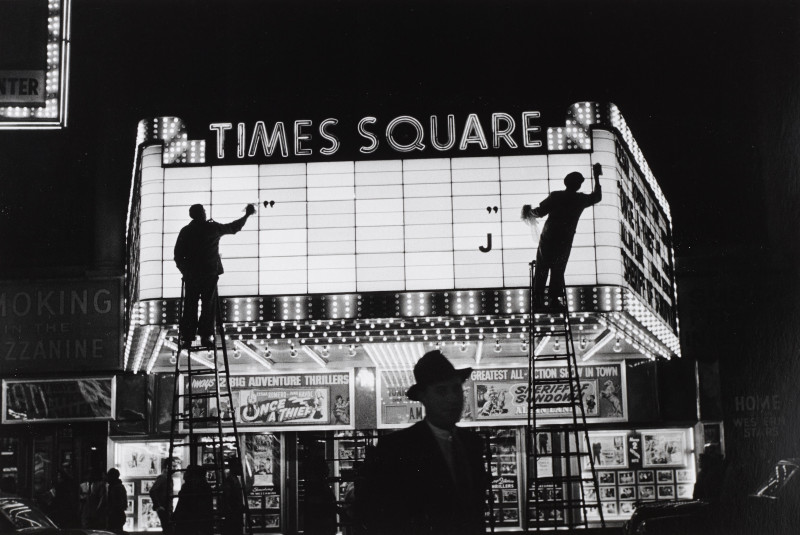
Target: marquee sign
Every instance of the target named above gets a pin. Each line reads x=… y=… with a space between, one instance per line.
x=403 y=205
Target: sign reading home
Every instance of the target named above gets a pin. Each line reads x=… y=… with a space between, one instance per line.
x=60 y=325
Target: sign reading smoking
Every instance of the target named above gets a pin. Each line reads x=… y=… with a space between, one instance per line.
x=64 y=325
x=317 y=400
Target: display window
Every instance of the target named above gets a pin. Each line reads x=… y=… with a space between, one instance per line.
x=506 y=472
x=639 y=466
x=263 y=475
x=139 y=463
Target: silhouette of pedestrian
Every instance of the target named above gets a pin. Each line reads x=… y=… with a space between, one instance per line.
x=194 y=511
x=319 y=511
x=66 y=505
x=232 y=498
x=117 y=502
x=564 y=208
x=95 y=509
x=430 y=477
x=161 y=496
x=197 y=258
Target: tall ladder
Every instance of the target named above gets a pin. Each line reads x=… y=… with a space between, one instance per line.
x=565 y=485
x=196 y=426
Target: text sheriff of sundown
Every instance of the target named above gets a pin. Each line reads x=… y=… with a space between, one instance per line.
x=402 y=134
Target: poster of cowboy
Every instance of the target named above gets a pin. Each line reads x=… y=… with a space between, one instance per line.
x=502 y=393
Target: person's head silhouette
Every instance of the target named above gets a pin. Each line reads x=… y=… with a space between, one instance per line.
x=573 y=181
x=197 y=212
x=439 y=388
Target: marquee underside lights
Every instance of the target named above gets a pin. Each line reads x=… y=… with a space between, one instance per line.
x=36 y=97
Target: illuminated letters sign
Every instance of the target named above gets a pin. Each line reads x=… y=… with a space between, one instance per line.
x=402 y=134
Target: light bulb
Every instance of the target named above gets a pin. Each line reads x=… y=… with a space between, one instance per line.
x=583 y=343
x=497 y=347
x=463 y=347
x=617 y=345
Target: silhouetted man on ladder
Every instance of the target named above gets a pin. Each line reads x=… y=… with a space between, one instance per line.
x=564 y=208
x=197 y=258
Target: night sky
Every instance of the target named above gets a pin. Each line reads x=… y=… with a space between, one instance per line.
x=703 y=85
x=709 y=89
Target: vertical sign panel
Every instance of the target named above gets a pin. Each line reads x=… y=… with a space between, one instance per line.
x=427 y=193
x=477 y=233
x=183 y=187
x=581 y=266
x=607 y=213
x=380 y=263
x=151 y=225
x=232 y=187
x=331 y=227
x=283 y=243
x=523 y=180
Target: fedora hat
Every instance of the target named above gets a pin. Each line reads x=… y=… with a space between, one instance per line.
x=432 y=368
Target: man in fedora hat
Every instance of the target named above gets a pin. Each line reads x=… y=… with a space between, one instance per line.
x=429 y=478
x=564 y=208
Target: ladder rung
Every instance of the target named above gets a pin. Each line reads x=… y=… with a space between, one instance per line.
x=538 y=335
x=557 y=381
x=556 y=480
x=199 y=371
x=563 y=404
x=551 y=357
x=196 y=419
x=562 y=454
x=557 y=504
x=205 y=395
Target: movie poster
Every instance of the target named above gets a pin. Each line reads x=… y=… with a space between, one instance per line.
x=608 y=449
x=141 y=459
x=664 y=448
x=501 y=394
x=319 y=400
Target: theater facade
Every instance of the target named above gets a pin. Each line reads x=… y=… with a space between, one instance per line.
x=377 y=240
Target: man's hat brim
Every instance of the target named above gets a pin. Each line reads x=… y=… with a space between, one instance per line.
x=413 y=392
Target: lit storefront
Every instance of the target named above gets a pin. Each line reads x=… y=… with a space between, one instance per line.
x=363 y=257
x=61 y=351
